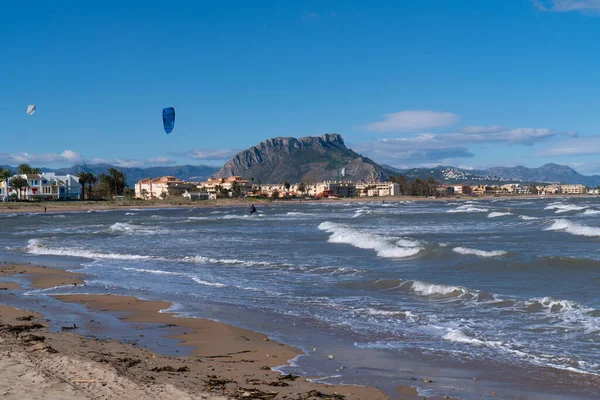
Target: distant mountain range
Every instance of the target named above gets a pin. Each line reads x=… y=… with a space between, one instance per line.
x=548 y=173
x=321 y=158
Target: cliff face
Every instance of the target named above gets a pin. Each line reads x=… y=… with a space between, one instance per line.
x=308 y=159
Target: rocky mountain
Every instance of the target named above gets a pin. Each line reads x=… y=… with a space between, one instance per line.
x=308 y=159
x=133 y=175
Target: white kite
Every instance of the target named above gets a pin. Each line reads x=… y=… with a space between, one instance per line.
x=31 y=109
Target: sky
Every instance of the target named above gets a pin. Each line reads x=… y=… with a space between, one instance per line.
x=469 y=83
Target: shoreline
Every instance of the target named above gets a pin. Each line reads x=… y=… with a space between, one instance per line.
x=228 y=356
x=128 y=205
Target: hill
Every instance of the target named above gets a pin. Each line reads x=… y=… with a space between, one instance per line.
x=308 y=159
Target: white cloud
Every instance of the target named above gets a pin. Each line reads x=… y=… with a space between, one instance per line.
x=67 y=156
x=442 y=147
x=209 y=154
x=413 y=120
x=573 y=147
x=483 y=129
x=567 y=5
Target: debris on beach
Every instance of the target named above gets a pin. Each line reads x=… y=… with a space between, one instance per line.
x=244 y=393
x=216 y=383
x=321 y=395
x=168 y=368
x=68 y=328
x=17 y=329
x=288 y=377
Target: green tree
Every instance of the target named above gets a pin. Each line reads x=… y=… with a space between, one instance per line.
x=91 y=181
x=286 y=185
x=302 y=187
x=114 y=182
x=144 y=194
x=82 y=181
x=236 y=190
x=18 y=183
x=26 y=169
x=275 y=194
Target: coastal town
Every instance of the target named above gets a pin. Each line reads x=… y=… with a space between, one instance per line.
x=30 y=184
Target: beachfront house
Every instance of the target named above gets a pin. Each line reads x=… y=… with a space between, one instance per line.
x=45 y=186
x=572 y=189
x=160 y=188
x=214 y=186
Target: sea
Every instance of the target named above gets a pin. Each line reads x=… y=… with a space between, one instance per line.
x=472 y=299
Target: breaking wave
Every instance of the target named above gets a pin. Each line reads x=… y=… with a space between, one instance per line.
x=563 y=208
x=480 y=253
x=468 y=208
x=386 y=247
x=573 y=228
x=34 y=246
x=591 y=212
x=527 y=218
x=498 y=214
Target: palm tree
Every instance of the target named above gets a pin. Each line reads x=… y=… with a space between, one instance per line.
x=91 y=181
x=114 y=182
x=18 y=183
x=83 y=179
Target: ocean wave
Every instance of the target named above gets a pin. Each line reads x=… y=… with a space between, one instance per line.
x=384 y=246
x=496 y=214
x=591 y=212
x=296 y=213
x=130 y=229
x=439 y=290
x=563 y=208
x=130 y=213
x=206 y=283
x=573 y=228
x=468 y=208
x=527 y=218
x=480 y=253
x=35 y=246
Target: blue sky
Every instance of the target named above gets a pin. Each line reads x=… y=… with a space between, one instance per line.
x=470 y=83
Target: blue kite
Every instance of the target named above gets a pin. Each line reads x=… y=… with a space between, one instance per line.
x=169 y=119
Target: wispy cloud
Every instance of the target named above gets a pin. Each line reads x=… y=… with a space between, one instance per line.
x=441 y=147
x=413 y=120
x=67 y=156
x=208 y=154
x=573 y=147
x=483 y=129
x=568 y=5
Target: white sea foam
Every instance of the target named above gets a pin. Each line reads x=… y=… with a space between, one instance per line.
x=563 y=208
x=34 y=246
x=590 y=212
x=384 y=246
x=480 y=253
x=573 y=228
x=458 y=336
x=295 y=213
x=496 y=214
x=152 y=271
x=206 y=283
x=468 y=208
x=527 y=218
x=430 y=289
x=130 y=213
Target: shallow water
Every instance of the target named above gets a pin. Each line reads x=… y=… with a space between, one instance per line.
x=504 y=288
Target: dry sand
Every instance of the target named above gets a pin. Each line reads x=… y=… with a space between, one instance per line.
x=71 y=206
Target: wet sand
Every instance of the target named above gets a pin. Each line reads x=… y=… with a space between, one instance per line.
x=41 y=277
x=224 y=360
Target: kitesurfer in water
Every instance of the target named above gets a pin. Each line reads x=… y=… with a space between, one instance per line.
x=252 y=209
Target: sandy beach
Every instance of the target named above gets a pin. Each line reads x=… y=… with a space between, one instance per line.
x=80 y=206
x=225 y=361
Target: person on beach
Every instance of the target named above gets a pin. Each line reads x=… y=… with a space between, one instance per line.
x=44 y=210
